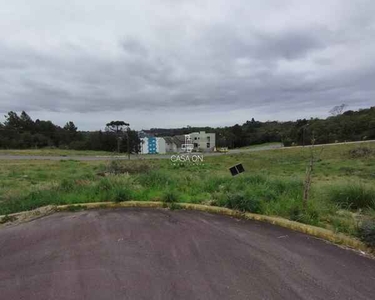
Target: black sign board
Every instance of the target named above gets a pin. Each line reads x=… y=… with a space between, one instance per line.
x=237 y=169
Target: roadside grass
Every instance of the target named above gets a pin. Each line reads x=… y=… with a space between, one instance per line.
x=352 y=196
x=342 y=196
x=272 y=144
x=56 y=152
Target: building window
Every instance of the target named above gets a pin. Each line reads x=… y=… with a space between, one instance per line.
x=208 y=145
x=208 y=138
x=195 y=138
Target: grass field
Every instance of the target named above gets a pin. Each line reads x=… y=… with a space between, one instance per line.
x=273 y=144
x=342 y=196
x=55 y=152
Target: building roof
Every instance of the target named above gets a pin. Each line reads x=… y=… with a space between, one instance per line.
x=178 y=140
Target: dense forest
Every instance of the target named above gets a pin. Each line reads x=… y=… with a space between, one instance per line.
x=21 y=132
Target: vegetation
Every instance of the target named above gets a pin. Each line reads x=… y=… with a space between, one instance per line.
x=341 y=126
x=366 y=232
x=21 y=132
x=342 y=196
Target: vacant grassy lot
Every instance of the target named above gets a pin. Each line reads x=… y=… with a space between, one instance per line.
x=55 y=152
x=342 y=196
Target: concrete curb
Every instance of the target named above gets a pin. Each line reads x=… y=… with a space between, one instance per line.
x=324 y=234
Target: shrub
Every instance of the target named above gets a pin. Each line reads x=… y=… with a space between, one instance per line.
x=105 y=184
x=352 y=196
x=73 y=208
x=215 y=183
x=67 y=185
x=7 y=218
x=170 y=196
x=366 y=232
x=155 y=179
x=287 y=142
x=122 y=194
x=361 y=152
x=241 y=201
x=121 y=167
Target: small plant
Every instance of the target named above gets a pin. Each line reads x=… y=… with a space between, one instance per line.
x=170 y=197
x=123 y=194
x=241 y=201
x=354 y=196
x=67 y=185
x=309 y=172
x=174 y=206
x=116 y=167
x=7 y=219
x=74 y=208
x=155 y=179
x=366 y=232
x=361 y=152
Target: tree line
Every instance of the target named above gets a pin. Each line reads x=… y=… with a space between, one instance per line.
x=21 y=132
x=341 y=126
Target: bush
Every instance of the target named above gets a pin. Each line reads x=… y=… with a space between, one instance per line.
x=67 y=185
x=361 y=152
x=122 y=194
x=156 y=179
x=352 y=196
x=170 y=197
x=366 y=232
x=7 y=218
x=242 y=202
x=121 y=167
x=287 y=142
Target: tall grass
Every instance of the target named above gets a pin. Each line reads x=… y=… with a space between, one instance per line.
x=257 y=193
x=116 y=188
x=352 y=196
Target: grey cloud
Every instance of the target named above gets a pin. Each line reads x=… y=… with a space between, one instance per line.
x=134 y=46
x=184 y=59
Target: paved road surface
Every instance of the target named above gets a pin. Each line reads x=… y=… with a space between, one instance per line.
x=160 y=254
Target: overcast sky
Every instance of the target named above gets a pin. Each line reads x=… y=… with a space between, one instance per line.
x=170 y=63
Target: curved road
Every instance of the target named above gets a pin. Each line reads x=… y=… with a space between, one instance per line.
x=161 y=254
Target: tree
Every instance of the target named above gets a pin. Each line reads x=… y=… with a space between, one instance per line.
x=309 y=172
x=12 y=120
x=118 y=127
x=337 y=110
x=26 y=122
x=69 y=126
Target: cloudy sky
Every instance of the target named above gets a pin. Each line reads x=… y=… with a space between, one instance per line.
x=169 y=63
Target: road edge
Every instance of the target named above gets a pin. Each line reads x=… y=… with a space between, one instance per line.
x=321 y=233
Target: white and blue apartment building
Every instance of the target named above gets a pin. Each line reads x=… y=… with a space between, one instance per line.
x=152 y=145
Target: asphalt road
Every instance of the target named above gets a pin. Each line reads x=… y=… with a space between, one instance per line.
x=161 y=254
